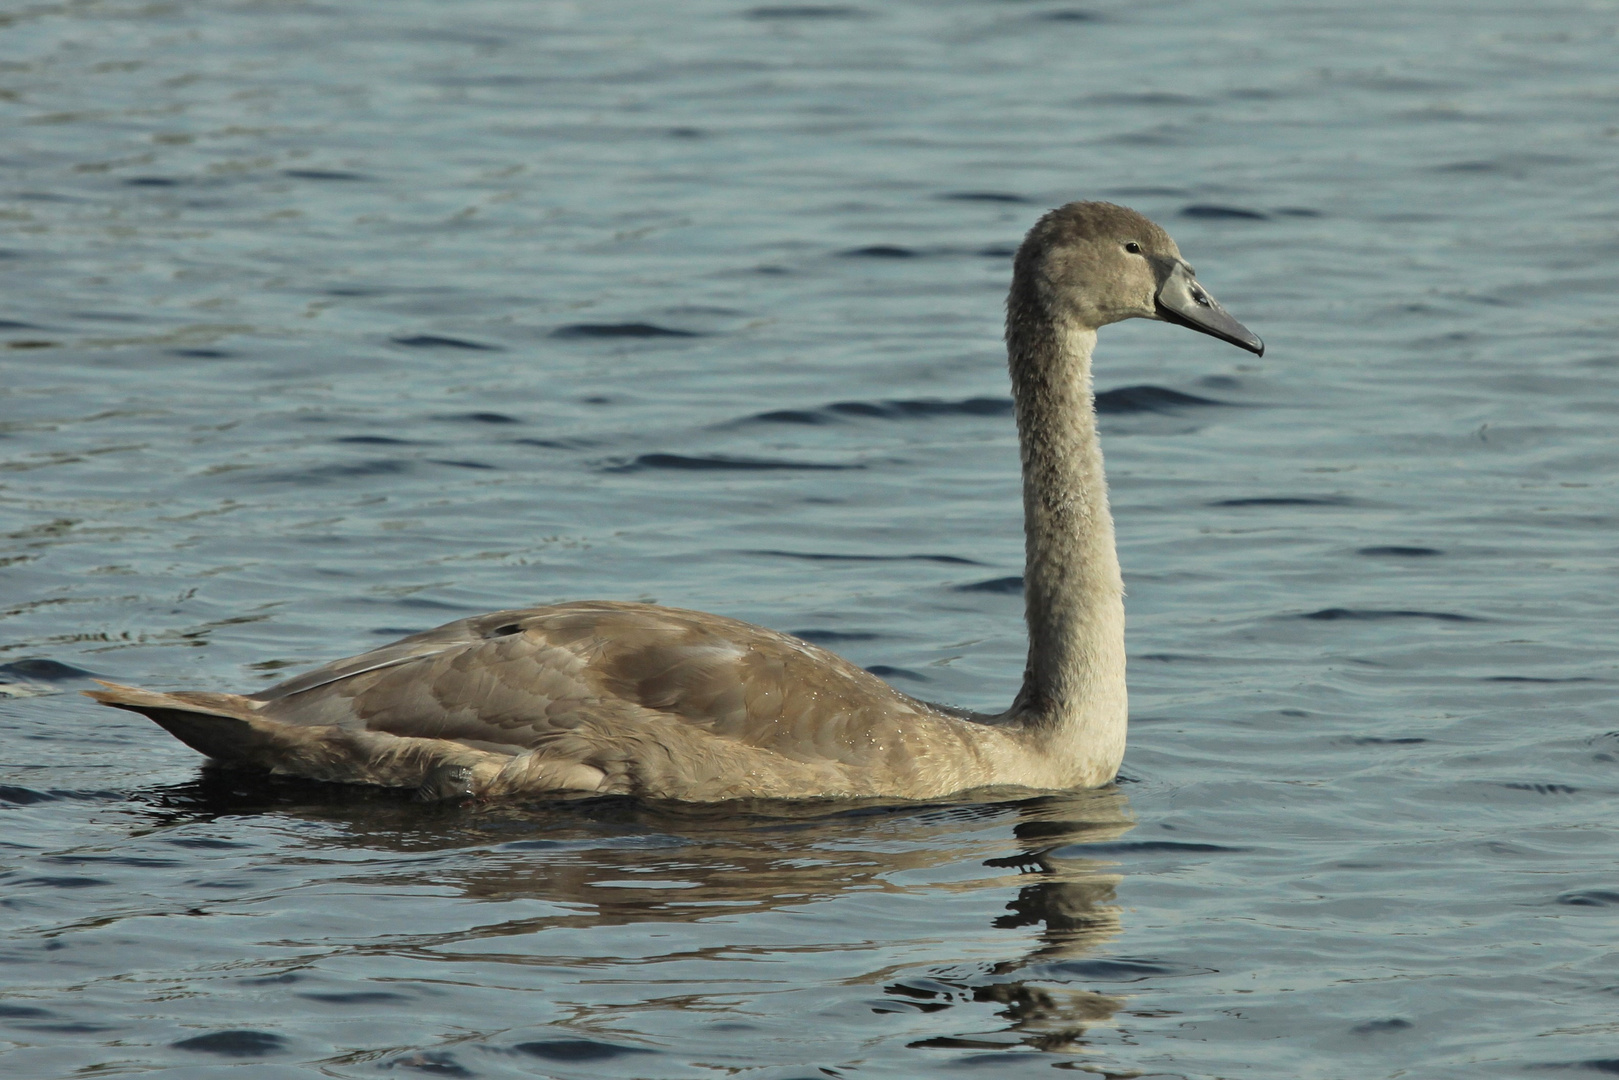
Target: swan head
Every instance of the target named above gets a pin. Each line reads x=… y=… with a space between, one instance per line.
x=1094 y=263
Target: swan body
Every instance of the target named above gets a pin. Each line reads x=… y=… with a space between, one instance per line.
x=622 y=698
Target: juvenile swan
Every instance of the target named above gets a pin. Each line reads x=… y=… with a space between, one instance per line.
x=608 y=697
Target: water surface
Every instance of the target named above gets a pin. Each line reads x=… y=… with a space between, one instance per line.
x=326 y=324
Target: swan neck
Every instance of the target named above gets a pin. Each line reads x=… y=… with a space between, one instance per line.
x=1073 y=694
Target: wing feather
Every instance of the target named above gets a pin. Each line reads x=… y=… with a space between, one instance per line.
x=653 y=698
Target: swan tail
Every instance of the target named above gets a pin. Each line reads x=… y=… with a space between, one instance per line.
x=217 y=725
x=225 y=727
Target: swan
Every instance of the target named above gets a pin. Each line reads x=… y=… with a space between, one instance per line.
x=610 y=697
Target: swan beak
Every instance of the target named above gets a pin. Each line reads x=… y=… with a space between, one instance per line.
x=1183 y=301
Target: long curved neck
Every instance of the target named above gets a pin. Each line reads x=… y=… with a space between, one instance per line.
x=1073 y=699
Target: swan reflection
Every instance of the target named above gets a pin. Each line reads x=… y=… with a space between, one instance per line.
x=618 y=862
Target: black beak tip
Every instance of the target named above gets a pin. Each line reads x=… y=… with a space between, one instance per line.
x=1218 y=325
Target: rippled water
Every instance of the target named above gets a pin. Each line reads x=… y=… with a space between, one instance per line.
x=331 y=322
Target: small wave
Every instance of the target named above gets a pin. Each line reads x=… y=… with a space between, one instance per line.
x=1004 y=585
x=1590 y=898
x=357 y=997
x=1381 y=1027
x=323 y=474
x=1126 y=970
x=240 y=1042
x=885 y=671
x=898 y=409
x=924 y=407
x=1377 y=740
x=1158 y=97
x=718 y=463
x=17 y=795
x=822 y=637
x=983 y=196
x=1214 y=211
x=557 y=444
x=1131 y=847
x=1149 y=191
x=40 y=669
x=437 y=341
x=1516 y=164
x=481 y=418
x=324 y=174
x=1378 y=615
x=1287 y=500
x=376 y=440
x=620 y=330
x=577 y=1050
x=1610 y=1066
x=958 y=1042
x=792 y=416
x=1122 y=400
x=425 y=603
x=880 y=251
x=805 y=11
x=141 y=862
x=1148 y=398
x=431 y=1063
x=828 y=556
x=1399 y=551
x=64 y=881
x=21 y=796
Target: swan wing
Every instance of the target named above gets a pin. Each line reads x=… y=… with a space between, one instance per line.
x=546 y=677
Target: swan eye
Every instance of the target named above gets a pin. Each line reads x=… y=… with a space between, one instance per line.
x=1133 y=248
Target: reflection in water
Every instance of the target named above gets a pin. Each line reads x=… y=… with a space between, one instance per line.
x=607 y=862
x=1070 y=901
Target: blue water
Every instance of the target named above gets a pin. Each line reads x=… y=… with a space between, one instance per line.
x=328 y=323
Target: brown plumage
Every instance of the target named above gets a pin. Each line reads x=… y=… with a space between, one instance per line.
x=611 y=697
x=635 y=699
